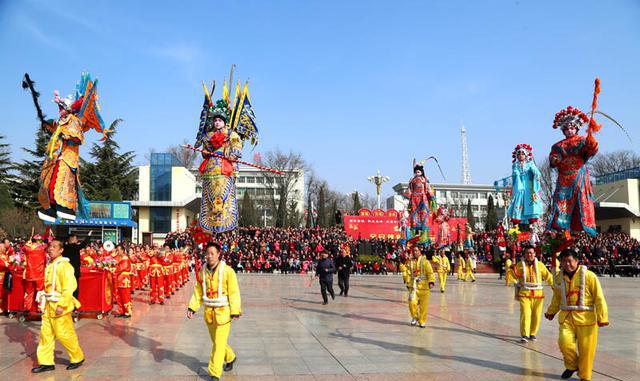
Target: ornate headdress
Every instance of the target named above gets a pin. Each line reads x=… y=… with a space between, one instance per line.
x=523 y=147
x=238 y=115
x=570 y=116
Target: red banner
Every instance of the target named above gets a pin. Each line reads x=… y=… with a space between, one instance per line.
x=380 y=224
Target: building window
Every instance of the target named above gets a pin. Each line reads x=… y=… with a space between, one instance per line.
x=251 y=180
x=160 y=176
x=260 y=180
x=160 y=219
x=242 y=179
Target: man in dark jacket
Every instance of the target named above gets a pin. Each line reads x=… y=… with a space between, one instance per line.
x=72 y=251
x=343 y=264
x=324 y=271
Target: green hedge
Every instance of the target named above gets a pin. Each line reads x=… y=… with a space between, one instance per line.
x=364 y=258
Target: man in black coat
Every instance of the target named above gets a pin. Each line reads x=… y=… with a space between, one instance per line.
x=72 y=251
x=324 y=271
x=343 y=264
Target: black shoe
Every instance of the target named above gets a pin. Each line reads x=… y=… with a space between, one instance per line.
x=65 y=213
x=341 y=293
x=214 y=378
x=126 y=316
x=333 y=297
x=75 y=365
x=325 y=303
x=162 y=303
x=48 y=215
x=567 y=373
x=43 y=368
x=229 y=366
x=533 y=338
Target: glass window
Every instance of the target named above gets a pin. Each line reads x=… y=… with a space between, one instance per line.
x=160 y=219
x=260 y=180
x=242 y=179
x=160 y=180
x=269 y=180
x=251 y=180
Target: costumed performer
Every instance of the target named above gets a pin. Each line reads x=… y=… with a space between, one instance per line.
x=526 y=205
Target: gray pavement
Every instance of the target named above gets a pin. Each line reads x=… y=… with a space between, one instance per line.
x=287 y=334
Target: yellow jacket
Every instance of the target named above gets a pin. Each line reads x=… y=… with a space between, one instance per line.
x=444 y=266
x=593 y=298
x=230 y=289
x=404 y=272
x=461 y=263
x=527 y=286
x=421 y=271
x=62 y=290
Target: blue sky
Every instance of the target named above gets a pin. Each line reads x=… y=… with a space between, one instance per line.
x=355 y=86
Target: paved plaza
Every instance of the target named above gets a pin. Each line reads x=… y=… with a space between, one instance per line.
x=287 y=334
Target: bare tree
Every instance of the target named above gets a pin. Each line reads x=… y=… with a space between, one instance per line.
x=187 y=157
x=547 y=186
x=614 y=161
x=285 y=185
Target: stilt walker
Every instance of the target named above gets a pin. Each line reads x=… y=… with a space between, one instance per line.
x=526 y=205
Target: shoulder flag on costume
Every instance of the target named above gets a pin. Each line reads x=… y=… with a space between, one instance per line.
x=244 y=121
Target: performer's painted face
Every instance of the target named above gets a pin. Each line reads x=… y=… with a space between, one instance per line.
x=570 y=131
x=521 y=156
x=218 y=123
x=417 y=172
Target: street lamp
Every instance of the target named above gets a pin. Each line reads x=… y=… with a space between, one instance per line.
x=378 y=179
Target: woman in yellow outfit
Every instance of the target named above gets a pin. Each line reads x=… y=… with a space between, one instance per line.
x=420 y=281
x=217 y=288
x=461 y=266
x=443 y=268
x=508 y=270
x=469 y=266
x=530 y=290
x=578 y=297
x=59 y=303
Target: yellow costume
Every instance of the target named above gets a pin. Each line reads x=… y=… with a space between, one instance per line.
x=443 y=269
x=531 y=295
x=508 y=271
x=582 y=307
x=461 y=268
x=59 y=285
x=469 y=272
x=420 y=275
x=221 y=297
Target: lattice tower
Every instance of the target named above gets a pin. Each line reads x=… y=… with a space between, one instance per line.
x=466 y=171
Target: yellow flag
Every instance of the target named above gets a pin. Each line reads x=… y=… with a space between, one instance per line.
x=225 y=92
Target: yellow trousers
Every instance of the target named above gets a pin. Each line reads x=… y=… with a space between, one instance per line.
x=419 y=305
x=460 y=273
x=509 y=279
x=60 y=328
x=221 y=352
x=469 y=275
x=530 y=315
x=442 y=278
x=586 y=338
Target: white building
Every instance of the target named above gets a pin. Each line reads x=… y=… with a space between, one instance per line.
x=169 y=195
x=456 y=196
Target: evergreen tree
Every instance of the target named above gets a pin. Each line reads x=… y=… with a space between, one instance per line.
x=110 y=170
x=24 y=189
x=356 y=202
x=470 y=218
x=247 y=211
x=281 y=211
x=5 y=161
x=310 y=223
x=293 y=216
x=322 y=210
x=492 y=216
x=331 y=216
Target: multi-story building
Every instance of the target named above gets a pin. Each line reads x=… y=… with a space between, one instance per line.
x=456 y=197
x=169 y=195
x=617 y=202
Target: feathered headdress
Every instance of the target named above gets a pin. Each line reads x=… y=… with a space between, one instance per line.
x=238 y=116
x=523 y=147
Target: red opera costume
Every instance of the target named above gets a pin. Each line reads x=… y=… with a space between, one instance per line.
x=573 y=197
x=420 y=195
x=156 y=279
x=123 y=285
x=33 y=278
x=167 y=263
